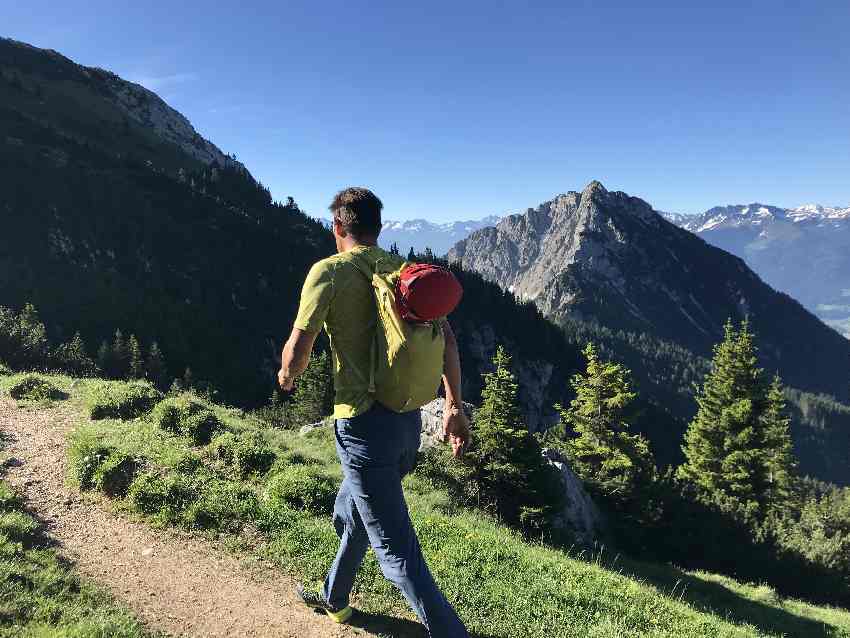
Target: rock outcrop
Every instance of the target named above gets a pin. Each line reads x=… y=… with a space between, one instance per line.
x=579 y=516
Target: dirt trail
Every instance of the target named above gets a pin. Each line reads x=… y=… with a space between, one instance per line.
x=173 y=582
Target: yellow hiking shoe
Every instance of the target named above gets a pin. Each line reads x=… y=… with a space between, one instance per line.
x=313 y=598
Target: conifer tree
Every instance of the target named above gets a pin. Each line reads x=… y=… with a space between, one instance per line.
x=313 y=397
x=188 y=380
x=611 y=461
x=73 y=358
x=394 y=249
x=779 y=458
x=428 y=257
x=411 y=256
x=135 y=360
x=104 y=359
x=508 y=469
x=738 y=443
x=120 y=357
x=155 y=365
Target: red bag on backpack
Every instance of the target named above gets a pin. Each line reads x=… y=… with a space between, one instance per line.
x=426 y=292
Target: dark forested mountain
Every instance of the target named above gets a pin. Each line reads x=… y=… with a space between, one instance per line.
x=803 y=251
x=610 y=258
x=116 y=213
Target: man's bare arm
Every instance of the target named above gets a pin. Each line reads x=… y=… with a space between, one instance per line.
x=295 y=356
x=455 y=423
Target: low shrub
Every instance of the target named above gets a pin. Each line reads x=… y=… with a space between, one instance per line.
x=200 y=427
x=245 y=454
x=4 y=369
x=301 y=487
x=296 y=458
x=115 y=474
x=222 y=505
x=122 y=400
x=85 y=456
x=32 y=387
x=165 y=496
x=186 y=417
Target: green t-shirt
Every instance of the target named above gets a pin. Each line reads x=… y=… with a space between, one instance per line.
x=338 y=296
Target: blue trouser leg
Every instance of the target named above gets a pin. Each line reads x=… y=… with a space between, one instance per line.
x=353 y=544
x=376 y=450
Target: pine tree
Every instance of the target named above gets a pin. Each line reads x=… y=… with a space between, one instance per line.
x=120 y=357
x=313 y=397
x=394 y=249
x=411 y=256
x=188 y=380
x=508 y=469
x=73 y=358
x=104 y=359
x=428 y=257
x=611 y=461
x=779 y=458
x=737 y=444
x=135 y=360
x=155 y=365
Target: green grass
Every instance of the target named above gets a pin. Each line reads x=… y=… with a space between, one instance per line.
x=40 y=596
x=119 y=400
x=35 y=388
x=502 y=585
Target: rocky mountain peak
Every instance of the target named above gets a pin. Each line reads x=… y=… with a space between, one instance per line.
x=610 y=258
x=594 y=188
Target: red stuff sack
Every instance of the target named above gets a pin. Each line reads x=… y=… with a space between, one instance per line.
x=426 y=292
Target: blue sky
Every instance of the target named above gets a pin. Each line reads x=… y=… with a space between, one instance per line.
x=463 y=109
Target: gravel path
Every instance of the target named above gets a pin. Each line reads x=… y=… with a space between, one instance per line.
x=173 y=582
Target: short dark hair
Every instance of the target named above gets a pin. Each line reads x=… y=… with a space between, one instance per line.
x=358 y=211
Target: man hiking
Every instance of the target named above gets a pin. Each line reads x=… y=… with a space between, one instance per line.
x=377 y=446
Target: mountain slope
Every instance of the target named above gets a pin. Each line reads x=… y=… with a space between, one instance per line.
x=611 y=258
x=803 y=251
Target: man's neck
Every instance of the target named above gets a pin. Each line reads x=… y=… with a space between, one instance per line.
x=352 y=244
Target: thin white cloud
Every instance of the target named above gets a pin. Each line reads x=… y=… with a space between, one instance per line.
x=158 y=82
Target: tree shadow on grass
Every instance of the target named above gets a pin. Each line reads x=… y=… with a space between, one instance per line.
x=717 y=599
x=393 y=627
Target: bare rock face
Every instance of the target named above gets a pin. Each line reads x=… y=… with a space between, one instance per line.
x=148 y=109
x=579 y=516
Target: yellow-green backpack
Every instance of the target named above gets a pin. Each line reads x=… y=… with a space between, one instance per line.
x=407 y=358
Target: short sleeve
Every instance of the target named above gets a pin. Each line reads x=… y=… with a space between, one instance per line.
x=316 y=296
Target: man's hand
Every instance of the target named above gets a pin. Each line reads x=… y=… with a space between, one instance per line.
x=456 y=429
x=286 y=382
x=295 y=357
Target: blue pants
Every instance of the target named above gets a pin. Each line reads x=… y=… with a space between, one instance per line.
x=376 y=450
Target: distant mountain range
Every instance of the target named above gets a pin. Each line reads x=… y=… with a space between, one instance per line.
x=420 y=234
x=803 y=251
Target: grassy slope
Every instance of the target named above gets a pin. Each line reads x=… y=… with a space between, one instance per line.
x=40 y=595
x=502 y=585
